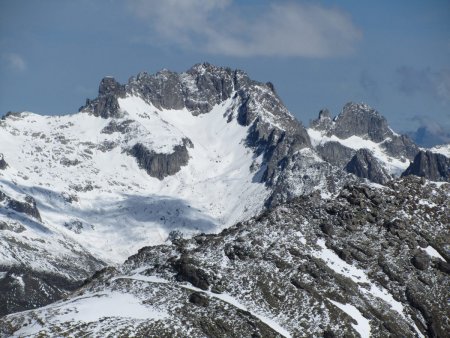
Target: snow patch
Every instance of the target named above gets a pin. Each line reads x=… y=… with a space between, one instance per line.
x=362 y=326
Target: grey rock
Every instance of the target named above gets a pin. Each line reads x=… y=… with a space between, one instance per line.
x=160 y=165
x=335 y=153
x=3 y=164
x=421 y=260
x=114 y=126
x=323 y=122
x=28 y=207
x=38 y=289
x=400 y=146
x=361 y=120
x=69 y=163
x=187 y=271
x=199 y=299
x=435 y=167
x=365 y=165
x=106 y=104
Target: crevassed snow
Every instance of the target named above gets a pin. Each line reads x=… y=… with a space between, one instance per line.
x=393 y=165
x=362 y=326
x=119 y=206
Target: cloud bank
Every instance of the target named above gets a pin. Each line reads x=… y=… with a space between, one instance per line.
x=222 y=27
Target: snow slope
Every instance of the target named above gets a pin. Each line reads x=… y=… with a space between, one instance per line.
x=111 y=206
x=443 y=149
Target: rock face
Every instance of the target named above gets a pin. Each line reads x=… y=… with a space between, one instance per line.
x=296 y=270
x=361 y=120
x=23 y=289
x=28 y=206
x=162 y=165
x=106 y=105
x=335 y=153
x=365 y=165
x=3 y=164
x=435 y=167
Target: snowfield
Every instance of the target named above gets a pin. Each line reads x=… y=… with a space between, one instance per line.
x=111 y=206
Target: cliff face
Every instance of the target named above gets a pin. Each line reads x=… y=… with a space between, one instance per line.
x=430 y=165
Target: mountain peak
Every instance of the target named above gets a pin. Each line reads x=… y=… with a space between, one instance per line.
x=109 y=85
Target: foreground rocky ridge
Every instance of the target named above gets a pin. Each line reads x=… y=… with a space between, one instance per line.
x=347 y=266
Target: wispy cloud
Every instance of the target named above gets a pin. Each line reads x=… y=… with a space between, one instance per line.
x=14 y=61
x=414 y=81
x=277 y=29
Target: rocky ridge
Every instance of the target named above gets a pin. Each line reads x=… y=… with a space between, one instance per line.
x=347 y=266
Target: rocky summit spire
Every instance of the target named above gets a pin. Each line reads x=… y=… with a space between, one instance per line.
x=106 y=104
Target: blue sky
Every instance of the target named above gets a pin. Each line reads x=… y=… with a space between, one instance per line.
x=393 y=55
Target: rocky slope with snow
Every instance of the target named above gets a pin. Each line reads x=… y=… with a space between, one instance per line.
x=348 y=266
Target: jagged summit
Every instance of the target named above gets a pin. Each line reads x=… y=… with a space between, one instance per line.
x=355 y=119
x=357 y=127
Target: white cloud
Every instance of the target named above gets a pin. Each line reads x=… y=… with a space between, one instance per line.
x=222 y=27
x=14 y=61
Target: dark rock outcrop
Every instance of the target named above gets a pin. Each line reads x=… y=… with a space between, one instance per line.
x=421 y=260
x=3 y=164
x=122 y=127
x=160 y=165
x=400 y=146
x=187 y=270
x=22 y=289
x=365 y=165
x=335 y=153
x=361 y=120
x=106 y=104
x=435 y=167
x=27 y=207
x=199 y=299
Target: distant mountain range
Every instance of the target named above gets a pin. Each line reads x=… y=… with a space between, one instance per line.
x=169 y=156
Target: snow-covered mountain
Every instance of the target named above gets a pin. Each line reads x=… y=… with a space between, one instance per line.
x=163 y=155
x=137 y=163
